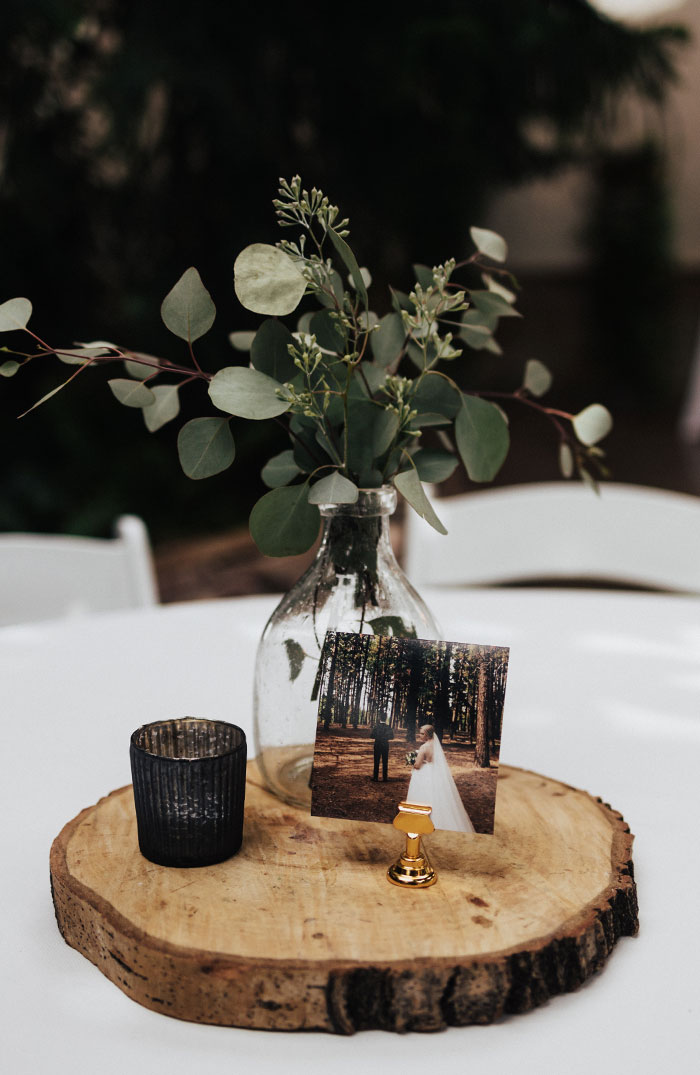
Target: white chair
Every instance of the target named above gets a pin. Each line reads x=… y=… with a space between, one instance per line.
x=50 y=576
x=629 y=535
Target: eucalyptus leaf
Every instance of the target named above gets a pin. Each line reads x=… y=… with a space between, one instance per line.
x=434 y=466
x=330 y=334
x=283 y=523
x=476 y=336
x=497 y=288
x=409 y=485
x=164 y=409
x=388 y=340
x=333 y=489
x=491 y=303
x=9 y=368
x=473 y=316
x=374 y=375
x=482 y=438
x=241 y=341
x=270 y=351
x=592 y=423
x=246 y=393
x=280 y=470
x=267 y=281
x=205 y=447
x=538 y=379
x=489 y=243
x=428 y=419
x=295 y=656
x=187 y=310
x=386 y=426
x=401 y=301
x=131 y=393
x=424 y=276
x=334 y=301
x=304 y=323
x=139 y=370
x=348 y=258
x=566 y=460
x=435 y=394
x=393 y=626
x=14 y=314
x=366 y=277
x=78 y=356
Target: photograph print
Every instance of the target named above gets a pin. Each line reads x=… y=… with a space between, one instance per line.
x=408 y=720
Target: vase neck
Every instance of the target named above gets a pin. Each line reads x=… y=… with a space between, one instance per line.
x=356 y=536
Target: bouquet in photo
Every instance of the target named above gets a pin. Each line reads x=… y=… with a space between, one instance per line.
x=411 y=757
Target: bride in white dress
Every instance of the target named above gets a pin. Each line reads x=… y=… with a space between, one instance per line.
x=433 y=783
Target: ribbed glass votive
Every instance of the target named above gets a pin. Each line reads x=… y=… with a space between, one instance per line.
x=189 y=790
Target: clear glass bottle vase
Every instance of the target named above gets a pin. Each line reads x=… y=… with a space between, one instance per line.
x=354 y=584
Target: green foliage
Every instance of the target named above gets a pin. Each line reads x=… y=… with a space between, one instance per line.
x=188 y=310
x=283 y=523
x=131 y=393
x=205 y=447
x=361 y=396
x=14 y=314
x=280 y=470
x=481 y=432
x=267 y=281
x=247 y=393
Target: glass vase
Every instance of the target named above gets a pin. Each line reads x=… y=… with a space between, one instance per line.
x=354 y=584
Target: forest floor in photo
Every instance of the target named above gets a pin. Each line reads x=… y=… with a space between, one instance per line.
x=343 y=786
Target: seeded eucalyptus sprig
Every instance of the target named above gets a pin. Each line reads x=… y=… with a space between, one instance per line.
x=356 y=393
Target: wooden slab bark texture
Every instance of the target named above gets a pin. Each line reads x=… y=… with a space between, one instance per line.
x=301 y=930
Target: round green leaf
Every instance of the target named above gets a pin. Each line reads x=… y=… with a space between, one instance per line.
x=333 y=489
x=9 y=368
x=280 y=470
x=489 y=243
x=330 y=335
x=131 y=393
x=267 y=281
x=538 y=379
x=434 y=466
x=241 y=341
x=14 y=314
x=205 y=447
x=165 y=407
x=269 y=352
x=435 y=395
x=283 y=523
x=482 y=438
x=592 y=423
x=139 y=370
x=408 y=483
x=188 y=310
x=388 y=340
x=246 y=393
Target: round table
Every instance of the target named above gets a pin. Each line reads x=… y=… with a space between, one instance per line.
x=603 y=691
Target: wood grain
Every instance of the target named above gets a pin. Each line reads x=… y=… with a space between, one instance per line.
x=301 y=930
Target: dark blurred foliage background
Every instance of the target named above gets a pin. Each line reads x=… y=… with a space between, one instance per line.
x=137 y=140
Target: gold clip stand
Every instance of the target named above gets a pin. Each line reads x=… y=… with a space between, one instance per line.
x=412 y=868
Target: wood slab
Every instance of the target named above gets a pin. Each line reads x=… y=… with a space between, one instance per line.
x=302 y=931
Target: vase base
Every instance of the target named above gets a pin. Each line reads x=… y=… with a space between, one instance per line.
x=287 y=771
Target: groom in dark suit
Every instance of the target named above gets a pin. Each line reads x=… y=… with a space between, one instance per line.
x=381 y=733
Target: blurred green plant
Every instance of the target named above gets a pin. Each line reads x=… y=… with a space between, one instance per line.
x=357 y=392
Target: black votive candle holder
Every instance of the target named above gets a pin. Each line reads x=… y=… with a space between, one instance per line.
x=189 y=790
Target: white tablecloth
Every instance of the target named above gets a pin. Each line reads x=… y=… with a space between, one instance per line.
x=603 y=693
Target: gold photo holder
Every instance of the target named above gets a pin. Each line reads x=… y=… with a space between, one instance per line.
x=412 y=868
